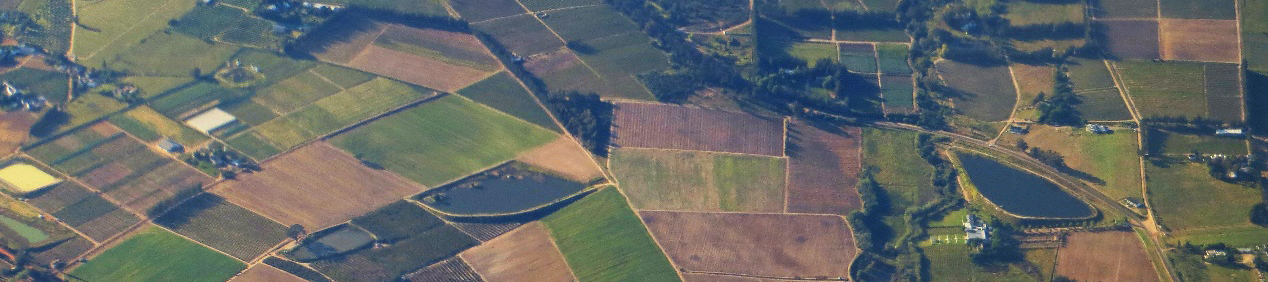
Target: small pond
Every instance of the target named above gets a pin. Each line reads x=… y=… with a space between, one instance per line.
x=506 y=189
x=30 y=233
x=1020 y=192
x=334 y=241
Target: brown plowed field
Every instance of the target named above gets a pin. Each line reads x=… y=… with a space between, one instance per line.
x=448 y=44
x=773 y=245
x=688 y=128
x=340 y=45
x=14 y=126
x=565 y=157
x=1200 y=40
x=316 y=186
x=525 y=254
x=1131 y=39
x=1105 y=256
x=265 y=273
x=427 y=72
x=172 y=179
x=823 y=169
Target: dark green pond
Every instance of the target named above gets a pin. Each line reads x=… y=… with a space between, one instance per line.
x=499 y=191
x=1020 y=192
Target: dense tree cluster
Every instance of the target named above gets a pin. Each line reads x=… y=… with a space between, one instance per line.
x=586 y=116
x=1059 y=108
x=685 y=13
x=1000 y=246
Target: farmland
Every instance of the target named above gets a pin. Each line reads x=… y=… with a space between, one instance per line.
x=892 y=58
x=171 y=54
x=451 y=47
x=892 y=158
x=451 y=136
x=603 y=240
x=823 y=167
x=523 y=34
x=1109 y=160
x=1184 y=196
x=149 y=125
x=564 y=157
x=699 y=181
x=421 y=7
x=1127 y=9
x=1224 y=97
x=625 y=55
x=813 y=52
x=477 y=11
x=157 y=254
x=310 y=187
x=1163 y=141
x=1199 y=9
x=229 y=228
x=985 y=93
x=564 y=71
x=64 y=251
x=452 y=269
x=504 y=93
x=898 y=92
x=859 y=58
x=524 y=254
x=398 y=259
x=1131 y=39
x=53 y=85
x=767 y=245
x=398 y=220
x=1200 y=40
x=591 y=22
x=507 y=189
x=264 y=272
x=1023 y=13
x=1031 y=80
x=947 y=263
x=677 y=127
x=435 y=59
x=1181 y=93
x=115 y=27
x=1087 y=256
x=93 y=215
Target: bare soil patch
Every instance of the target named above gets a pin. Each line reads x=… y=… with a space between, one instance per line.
x=525 y=254
x=1105 y=256
x=316 y=186
x=341 y=45
x=1131 y=39
x=14 y=128
x=778 y=245
x=823 y=169
x=427 y=72
x=565 y=157
x=689 y=128
x=1200 y=40
x=265 y=273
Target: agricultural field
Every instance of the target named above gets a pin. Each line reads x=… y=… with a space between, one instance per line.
x=431 y=58
x=899 y=93
x=14 y=129
x=564 y=157
x=1199 y=9
x=1165 y=89
x=949 y=262
x=222 y=225
x=149 y=126
x=638 y=125
x=83 y=110
x=527 y=253
x=1131 y=39
x=811 y=52
x=625 y=55
x=477 y=11
x=156 y=254
x=386 y=263
x=512 y=188
x=1172 y=142
x=53 y=85
x=1024 y=13
x=1200 y=40
x=452 y=269
x=451 y=136
x=170 y=54
x=823 y=166
x=857 y=57
x=699 y=181
x=106 y=28
x=55 y=18
x=892 y=58
x=985 y=93
x=1108 y=161
x=1126 y=9
x=264 y=272
x=603 y=240
x=1236 y=236
x=1102 y=104
x=310 y=186
x=1184 y=196
x=451 y=47
x=504 y=93
x=83 y=210
x=590 y=22
x=542 y=5
x=152 y=86
x=1088 y=256
x=65 y=251
x=523 y=35
x=892 y=157
x=765 y=245
x=807 y=18
x=1224 y=94
x=398 y=220
x=1254 y=34
x=485 y=231
x=434 y=8
x=563 y=70
x=1031 y=80
x=870 y=28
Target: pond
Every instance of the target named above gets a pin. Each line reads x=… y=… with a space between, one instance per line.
x=30 y=233
x=506 y=189
x=1020 y=192
x=334 y=241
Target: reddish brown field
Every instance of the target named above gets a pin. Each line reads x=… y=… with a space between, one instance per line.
x=162 y=183
x=265 y=273
x=341 y=45
x=316 y=186
x=823 y=170
x=688 y=128
x=525 y=254
x=771 y=245
x=563 y=71
x=427 y=72
x=14 y=126
x=565 y=157
x=454 y=45
x=1131 y=39
x=1200 y=40
x=1105 y=256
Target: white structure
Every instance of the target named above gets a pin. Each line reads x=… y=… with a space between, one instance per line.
x=974 y=228
x=210 y=120
x=1230 y=132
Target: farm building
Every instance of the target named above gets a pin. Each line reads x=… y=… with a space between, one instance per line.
x=1133 y=202
x=170 y=146
x=210 y=120
x=24 y=178
x=1230 y=132
x=974 y=228
x=1099 y=129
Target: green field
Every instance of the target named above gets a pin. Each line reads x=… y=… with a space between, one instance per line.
x=326 y=115
x=905 y=178
x=254 y=32
x=813 y=52
x=890 y=31
x=55 y=19
x=538 y=5
x=1023 y=13
x=950 y=262
x=681 y=180
x=624 y=55
x=171 y=54
x=1165 y=88
x=1254 y=26
x=398 y=221
x=1088 y=74
x=115 y=25
x=82 y=110
x=1236 y=236
x=1199 y=9
x=1102 y=104
x=892 y=58
x=1176 y=143
x=151 y=86
x=442 y=140
x=1110 y=159
x=859 y=59
x=603 y=240
x=434 y=8
x=183 y=101
x=481 y=10
x=581 y=24
x=149 y=125
x=274 y=66
x=208 y=21
x=898 y=92
x=295 y=92
x=53 y=85
x=232 y=229
x=1184 y=196
x=344 y=77
x=522 y=35
x=504 y=93
x=158 y=255
x=986 y=93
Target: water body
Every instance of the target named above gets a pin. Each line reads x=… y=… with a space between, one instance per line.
x=502 y=190
x=31 y=234
x=1020 y=192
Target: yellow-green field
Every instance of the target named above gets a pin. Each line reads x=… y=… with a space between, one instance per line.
x=25 y=178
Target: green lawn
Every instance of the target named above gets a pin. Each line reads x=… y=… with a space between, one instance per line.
x=442 y=140
x=171 y=54
x=603 y=240
x=682 y=180
x=116 y=25
x=1165 y=88
x=159 y=255
x=504 y=93
x=1184 y=196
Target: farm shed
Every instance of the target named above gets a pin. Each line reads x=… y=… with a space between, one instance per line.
x=210 y=120
x=170 y=146
x=24 y=178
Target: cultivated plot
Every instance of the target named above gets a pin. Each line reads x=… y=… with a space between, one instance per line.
x=767 y=245
x=1224 y=94
x=65 y=251
x=523 y=35
x=1126 y=9
x=1165 y=88
x=431 y=58
x=1025 y=13
x=1105 y=256
x=899 y=93
x=504 y=93
x=1199 y=9
x=1031 y=80
x=478 y=10
x=158 y=255
x=985 y=93
x=222 y=225
x=1130 y=39
x=640 y=125
x=316 y=186
x=527 y=253
x=1200 y=40
x=1107 y=161
x=603 y=240
x=858 y=57
x=14 y=129
x=699 y=181
x=563 y=70
x=823 y=169
x=107 y=28
x=398 y=259
x=452 y=269
x=1184 y=196
x=565 y=157
x=263 y=272
x=171 y=54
